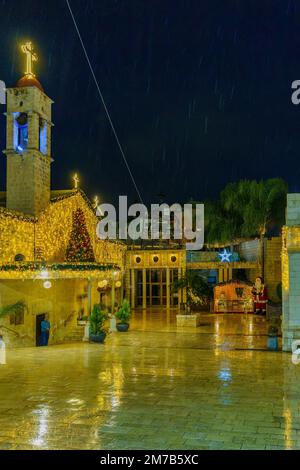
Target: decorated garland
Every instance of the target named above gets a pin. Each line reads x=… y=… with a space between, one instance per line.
x=35 y=266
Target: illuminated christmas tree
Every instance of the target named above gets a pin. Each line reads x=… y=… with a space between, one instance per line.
x=79 y=248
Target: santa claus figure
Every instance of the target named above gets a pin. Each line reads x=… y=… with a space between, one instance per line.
x=260 y=297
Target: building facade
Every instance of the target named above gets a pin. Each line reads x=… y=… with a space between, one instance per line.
x=51 y=260
x=291 y=273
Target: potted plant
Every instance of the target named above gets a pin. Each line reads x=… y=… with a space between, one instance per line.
x=123 y=315
x=199 y=295
x=97 y=321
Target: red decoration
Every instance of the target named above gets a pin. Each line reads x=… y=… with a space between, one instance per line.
x=79 y=248
x=260 y=296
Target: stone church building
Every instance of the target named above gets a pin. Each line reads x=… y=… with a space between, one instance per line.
x=36 y=226
x=52 y=262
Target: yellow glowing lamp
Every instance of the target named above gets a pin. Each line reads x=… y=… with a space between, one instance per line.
x=31 y=57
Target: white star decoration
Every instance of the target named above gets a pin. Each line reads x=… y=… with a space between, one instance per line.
x=225 y=256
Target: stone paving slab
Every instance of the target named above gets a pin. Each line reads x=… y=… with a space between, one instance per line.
x=149 y=390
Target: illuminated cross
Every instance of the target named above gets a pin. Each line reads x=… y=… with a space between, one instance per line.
x=76 y=181
x=96 y=202
x=30 y=57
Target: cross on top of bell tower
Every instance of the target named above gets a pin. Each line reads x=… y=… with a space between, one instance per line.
x=29 y=79
x=31 y=57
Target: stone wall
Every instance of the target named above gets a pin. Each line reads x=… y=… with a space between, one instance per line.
x=291 y=273
x=50 y=234
x=16 y=237
x=28 y=182
x=55 y=225
x=250 y=251
x=60 y=302
x=272 y=257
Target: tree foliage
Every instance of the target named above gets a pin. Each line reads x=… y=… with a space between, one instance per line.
x=245 y=209
x=97 y=320
x=124 y=312
x=199 y=292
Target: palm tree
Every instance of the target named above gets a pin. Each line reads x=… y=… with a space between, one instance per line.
x=199 y=291
x=221 y=225
x=260 y=204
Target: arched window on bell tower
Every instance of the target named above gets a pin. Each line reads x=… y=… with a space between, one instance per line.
x=21 y=132
x=43 y=136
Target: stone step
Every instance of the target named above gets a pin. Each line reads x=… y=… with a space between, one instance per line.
x=74 y=334
x=76 y=331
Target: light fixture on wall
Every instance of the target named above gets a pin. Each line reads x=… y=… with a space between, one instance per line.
x=47 y=285
x=102 y=284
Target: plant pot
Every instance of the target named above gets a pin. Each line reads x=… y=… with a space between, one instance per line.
x=122 y=327
x=99 y=338
x=188 y=320
x=272 y=343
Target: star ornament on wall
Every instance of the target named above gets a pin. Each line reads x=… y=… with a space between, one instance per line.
x=225 y=256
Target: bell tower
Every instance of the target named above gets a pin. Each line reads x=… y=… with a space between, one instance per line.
x=28 y=142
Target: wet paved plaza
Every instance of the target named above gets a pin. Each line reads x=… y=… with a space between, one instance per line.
x=154 y=388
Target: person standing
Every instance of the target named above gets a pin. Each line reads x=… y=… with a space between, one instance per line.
x=45 y=331
x=2 y=351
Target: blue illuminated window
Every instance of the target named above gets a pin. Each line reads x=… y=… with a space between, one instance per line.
x=43 y=136
x=22 y=132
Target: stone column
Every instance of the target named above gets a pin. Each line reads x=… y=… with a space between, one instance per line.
x=291 y=273
x=168 y=286
x=132 y=288
x=89 y=291
x=121 y=294
x=113 y=295
x=127 y=284
x=33 y=130
x=184 y=296
x=179 y=290
x=11 y=133
x=144 y=289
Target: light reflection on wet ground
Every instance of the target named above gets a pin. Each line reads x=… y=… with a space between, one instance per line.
x=153 y=388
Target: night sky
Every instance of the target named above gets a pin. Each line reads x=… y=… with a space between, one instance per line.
x=199 y=91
